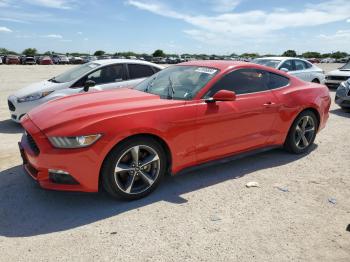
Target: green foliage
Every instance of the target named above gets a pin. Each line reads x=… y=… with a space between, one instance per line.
x=251 y=55
x=290 y=53
x=338 y=55
x=311 y=55
x=158 y=53
x=29 y=52
x=5 y=51
x=99 y=53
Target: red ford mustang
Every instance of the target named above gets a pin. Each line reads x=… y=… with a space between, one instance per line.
x=126 y=140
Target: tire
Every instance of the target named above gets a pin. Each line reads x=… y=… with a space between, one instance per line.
x=345 y=109
x=295 y=142
x=134 y=181
x=315 y=81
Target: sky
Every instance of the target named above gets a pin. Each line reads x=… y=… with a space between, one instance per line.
x=176 y=26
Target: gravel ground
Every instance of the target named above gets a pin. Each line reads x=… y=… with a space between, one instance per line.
x=206 y=215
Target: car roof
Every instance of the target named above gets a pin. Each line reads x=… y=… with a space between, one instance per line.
x=123 y=61
x=218 y=64
x=226 y=65
x=281 y=58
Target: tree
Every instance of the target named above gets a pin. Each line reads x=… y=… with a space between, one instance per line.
x=29 y=52
x=290 y=53
x=338 y=55
x=158 y=53
x=311 y=55
x=4 y=51
x=99 y=53
x=251 y=55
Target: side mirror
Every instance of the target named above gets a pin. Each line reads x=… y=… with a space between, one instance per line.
x=222 y=95
x=284 y=69
x=88 y=84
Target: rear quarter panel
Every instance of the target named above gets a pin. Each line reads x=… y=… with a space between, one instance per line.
x=294 y=99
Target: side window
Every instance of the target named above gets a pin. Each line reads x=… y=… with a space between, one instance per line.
x=155 y=69
x=288 y=65
x=299 y=65
x=108 y=74
x=307 y=65
x=276 y=81
x=139 y=71
x=242 y=81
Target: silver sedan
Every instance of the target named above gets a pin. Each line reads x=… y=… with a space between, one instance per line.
x=295 y=66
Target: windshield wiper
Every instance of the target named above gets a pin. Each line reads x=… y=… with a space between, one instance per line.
x=171 y=90
x=53 y=80
x=150 y=84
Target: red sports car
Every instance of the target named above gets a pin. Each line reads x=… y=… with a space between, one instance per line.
x=126 y=140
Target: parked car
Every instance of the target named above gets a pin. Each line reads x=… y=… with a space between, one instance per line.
x=55 y=59
x=103 y=57
x=97 y=75
x=77 y=60
x=87 y=59
x=126 y=140
x=46 y=60
x=63 y=60
x=12 y=60
x=28 y=60
x=342 y=96
x=294 y=66
x=328 y=60
x=1 y=60
x=336 y=77
x=314 y=60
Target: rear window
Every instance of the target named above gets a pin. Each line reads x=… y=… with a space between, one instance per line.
x=139 y=71
x=277 y=81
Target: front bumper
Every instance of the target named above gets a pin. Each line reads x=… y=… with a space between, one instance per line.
x=82 y=164
x=17 y=110
x=342 y=98
x=333 y=84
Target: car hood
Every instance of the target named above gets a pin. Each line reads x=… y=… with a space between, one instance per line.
x=39 y=87
x=339 y=73
x=82 y=110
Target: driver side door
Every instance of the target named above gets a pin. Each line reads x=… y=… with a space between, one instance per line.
x=107 y=77
x=227 y=127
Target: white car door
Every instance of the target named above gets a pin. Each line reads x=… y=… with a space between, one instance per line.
x=300 y=70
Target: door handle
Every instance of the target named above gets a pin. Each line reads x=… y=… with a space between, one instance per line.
x=268 y=104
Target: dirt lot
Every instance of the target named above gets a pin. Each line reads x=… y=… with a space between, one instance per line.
x=207 y=215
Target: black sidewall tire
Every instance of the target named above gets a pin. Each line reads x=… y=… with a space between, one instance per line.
x=109 y=163
x=289 y=144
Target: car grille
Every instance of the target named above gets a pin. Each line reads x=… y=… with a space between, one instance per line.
x=11 y=105
x=338 y=78
x=32 y=144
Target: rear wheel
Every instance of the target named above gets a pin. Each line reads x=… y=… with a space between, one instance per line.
x=134 y=168
x=302 y=133
x=315 y=81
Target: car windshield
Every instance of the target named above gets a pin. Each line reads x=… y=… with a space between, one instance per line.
x=74 y=73
x=178 y=82
x=345 y=67
x=267 y=62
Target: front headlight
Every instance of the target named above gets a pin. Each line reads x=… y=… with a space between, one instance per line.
x=344 y=85
x=33 y=97
x=73 y=141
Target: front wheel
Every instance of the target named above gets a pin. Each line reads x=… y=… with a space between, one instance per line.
x=302 y=133
x=134 y=168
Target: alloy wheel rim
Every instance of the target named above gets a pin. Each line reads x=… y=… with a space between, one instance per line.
x=137 y=169
x=304 y=132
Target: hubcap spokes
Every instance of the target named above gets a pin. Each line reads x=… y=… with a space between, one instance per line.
x=137 y=169
x=304 y=132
